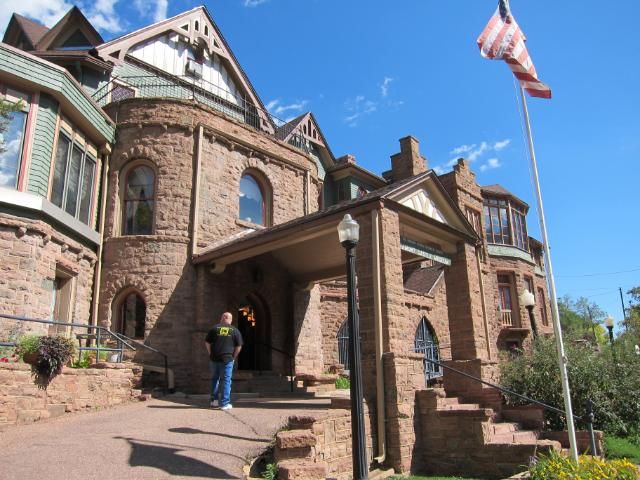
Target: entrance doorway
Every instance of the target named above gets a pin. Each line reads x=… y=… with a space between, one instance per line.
x=254 y=325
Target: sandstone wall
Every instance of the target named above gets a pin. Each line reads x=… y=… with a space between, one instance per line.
x=31 y=251
x=21 y=401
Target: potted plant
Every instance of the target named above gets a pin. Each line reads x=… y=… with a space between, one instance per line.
x=27 y=348
x=47 y=355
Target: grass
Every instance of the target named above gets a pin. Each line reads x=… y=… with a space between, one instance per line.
x=616 y=447
x=430 y=478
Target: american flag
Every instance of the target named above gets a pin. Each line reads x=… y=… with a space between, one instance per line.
x=503 y=39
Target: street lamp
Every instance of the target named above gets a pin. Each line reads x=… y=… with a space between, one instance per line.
x=529 y=301
x=608 y=322
x=348 y=233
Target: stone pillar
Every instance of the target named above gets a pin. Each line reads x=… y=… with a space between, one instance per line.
x=408 y=162
x=403 y=376
x=308 y=331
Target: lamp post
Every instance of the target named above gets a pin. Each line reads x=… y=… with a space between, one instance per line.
x=608 y=322
x=529 y=301
x=348 y=233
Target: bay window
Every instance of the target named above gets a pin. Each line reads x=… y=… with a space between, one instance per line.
x=73 y=176
x=14 y=122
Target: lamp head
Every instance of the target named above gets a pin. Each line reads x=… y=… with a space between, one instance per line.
x=348 y=230
x=609 y=321
x=527 y=299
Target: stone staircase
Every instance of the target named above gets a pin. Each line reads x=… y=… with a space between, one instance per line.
x=269 y=383
x=458 y=437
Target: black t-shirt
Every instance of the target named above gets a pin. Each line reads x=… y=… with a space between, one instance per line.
x=223 y=339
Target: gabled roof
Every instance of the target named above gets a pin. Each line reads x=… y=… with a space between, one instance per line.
x=117 y=49
x=32 y=31
x=73 y=21
x=423 y=280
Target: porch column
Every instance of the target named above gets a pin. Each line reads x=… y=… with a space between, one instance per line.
x=403 y=375
x=308 y=331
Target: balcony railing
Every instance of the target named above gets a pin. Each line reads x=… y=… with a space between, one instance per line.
x=507 y=319
x=201 y=92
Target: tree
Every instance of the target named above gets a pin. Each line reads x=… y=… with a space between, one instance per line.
x=582 y=318
x=632 y=322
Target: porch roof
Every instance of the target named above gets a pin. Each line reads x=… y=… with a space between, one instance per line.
x=308 y=247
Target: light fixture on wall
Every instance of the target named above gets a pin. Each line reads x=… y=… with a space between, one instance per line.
x=349 y=234
x=528 y=301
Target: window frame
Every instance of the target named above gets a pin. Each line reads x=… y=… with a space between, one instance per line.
x=9 y=94
x=124 y=176
x=120 y=305
x=89 y=153
x=267 y=197
x=497 y=211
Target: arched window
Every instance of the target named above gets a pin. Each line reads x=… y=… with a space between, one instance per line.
x=139 y=201
x=426 y=343
x=253 y=206
x=132 y=314
x=343 y=344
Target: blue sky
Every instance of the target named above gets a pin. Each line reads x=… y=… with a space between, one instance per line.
x=375 y=71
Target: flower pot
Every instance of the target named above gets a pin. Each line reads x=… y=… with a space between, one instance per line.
x=30 y=357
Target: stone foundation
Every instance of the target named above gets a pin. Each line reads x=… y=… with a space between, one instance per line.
x=22 y=402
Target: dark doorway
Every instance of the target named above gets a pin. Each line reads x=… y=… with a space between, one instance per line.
x=254 y=325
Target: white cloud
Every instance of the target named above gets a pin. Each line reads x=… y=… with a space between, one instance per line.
x=490 y=165
x=277 y=109
x=47 y=12
x=439 y=170
x=254 y=3
x=502 y=144
x=102 y=16
x=154 y=9
x=384 y=87
x=358 y=107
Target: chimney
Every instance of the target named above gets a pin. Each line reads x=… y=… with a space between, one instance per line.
x=408 y=162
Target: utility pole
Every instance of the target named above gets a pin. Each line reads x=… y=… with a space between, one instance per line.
x=624 y=311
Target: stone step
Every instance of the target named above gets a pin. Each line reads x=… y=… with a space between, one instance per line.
x=522 y=437
x=298 y=470
x=505 y=427
x=56 y=410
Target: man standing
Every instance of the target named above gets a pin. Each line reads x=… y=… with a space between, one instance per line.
x=223 y=343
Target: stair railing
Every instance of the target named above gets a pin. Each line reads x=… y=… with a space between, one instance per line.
x=588 y=418
x=286 y=354
x=101 y=334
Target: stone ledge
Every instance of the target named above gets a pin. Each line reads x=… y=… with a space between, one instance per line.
x=295 y=439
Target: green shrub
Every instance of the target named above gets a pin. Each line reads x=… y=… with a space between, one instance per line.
x=558 y=467
x=609 y=378
x=343 y=383
x=53 y=353
x=28 y=344
x=270 y=471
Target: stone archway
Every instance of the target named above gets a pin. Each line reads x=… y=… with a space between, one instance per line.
x=254 y=323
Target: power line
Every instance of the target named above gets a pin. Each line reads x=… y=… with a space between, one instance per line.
x=599 y=274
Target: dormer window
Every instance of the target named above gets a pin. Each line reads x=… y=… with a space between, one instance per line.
x=505 y=223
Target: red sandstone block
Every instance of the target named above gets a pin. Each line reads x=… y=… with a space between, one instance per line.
x=295 y=470
x=295 y=439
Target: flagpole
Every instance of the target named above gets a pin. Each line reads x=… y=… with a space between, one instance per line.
x=562 y=359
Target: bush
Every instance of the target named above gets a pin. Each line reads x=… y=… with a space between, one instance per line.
x=343 y=383
x=556 y=466
x=609 y=378
x=52 y=354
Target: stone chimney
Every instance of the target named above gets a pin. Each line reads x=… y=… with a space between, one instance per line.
x=408 y=162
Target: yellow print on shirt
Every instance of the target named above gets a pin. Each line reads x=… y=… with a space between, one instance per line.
x=224 y=331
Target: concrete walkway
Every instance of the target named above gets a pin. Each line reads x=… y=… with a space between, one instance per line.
x=174 y=437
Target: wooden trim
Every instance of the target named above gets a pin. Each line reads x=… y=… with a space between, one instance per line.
x=27 y=145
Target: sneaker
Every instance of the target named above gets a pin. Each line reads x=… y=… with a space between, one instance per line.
x=228 y=406
x=214 y=403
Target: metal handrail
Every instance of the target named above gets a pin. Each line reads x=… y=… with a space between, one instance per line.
x=289 y=356
x=200 y=90
x=122 y=340
x=588 y=418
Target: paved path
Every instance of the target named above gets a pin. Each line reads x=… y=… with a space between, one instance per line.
x=176 y=438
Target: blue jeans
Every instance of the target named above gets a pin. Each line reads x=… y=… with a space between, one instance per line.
x=218 y=370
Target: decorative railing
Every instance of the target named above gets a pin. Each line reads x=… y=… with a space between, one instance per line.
x=201 y=92
x=507 y=319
